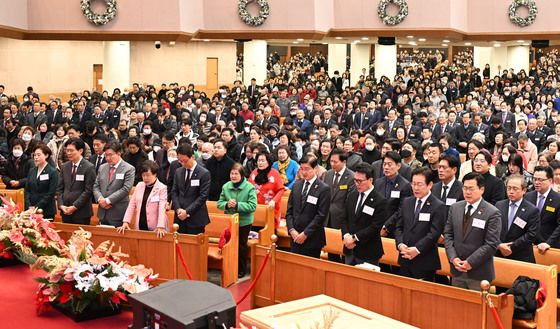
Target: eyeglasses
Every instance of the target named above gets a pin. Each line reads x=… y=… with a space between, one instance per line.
x=359 y=181
x=470 y=188
x=540 y=179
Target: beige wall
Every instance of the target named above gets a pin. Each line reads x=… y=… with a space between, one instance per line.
x=183 y=63
x=66 y=66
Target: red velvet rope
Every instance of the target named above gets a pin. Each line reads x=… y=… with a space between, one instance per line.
x=252 y=286
x=496 y=317
x=180 y=253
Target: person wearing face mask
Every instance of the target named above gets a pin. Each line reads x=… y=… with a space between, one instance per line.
x=17 y=166
x=148 y=138
x=370 y=153
x=408 y=154
x=205 y=153
x=27 y=137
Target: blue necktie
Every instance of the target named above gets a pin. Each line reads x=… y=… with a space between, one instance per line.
x=511 y=215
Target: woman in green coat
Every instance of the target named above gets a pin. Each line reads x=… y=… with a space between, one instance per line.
x=240 y=197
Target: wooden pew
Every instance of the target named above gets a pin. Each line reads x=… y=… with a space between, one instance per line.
x=288 y=277
x=16 y=195
x=550 y=257
x=144 y=247
x=282 y=231
x=334 y=243
x=225 y=259
x=264 y=217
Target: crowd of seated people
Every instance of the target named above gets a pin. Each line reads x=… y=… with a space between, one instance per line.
x=351 y=156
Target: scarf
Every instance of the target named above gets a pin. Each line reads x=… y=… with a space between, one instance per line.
x=238 y=184
x=282 y=166
x=262 y=176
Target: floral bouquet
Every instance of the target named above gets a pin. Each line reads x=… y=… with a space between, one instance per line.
x=85 y=278
x=26 y=235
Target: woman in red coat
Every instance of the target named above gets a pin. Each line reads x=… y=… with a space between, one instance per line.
x=268 y=184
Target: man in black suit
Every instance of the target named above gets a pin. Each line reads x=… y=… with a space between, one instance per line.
x=98 y=158
x=448 y=189
x=417 y=232
x=340 y=179
x=81 y=116
x=507 y=118
x=464 y=132
x=392 y=123
x=548 y=203
x=412 y=132
x=394 y=188
x=75 y=185
x=363 y=120
x=337 y=81
x=442 y=126
x=520 y=222
x=253 y=93
x=191 y=186
x=390 y=145
x=365 y=213
x=494 y=188
x=308 y=206
x=219 y=166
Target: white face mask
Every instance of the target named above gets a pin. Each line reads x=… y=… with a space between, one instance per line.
x=205 y=156
x=26 y=137
x=147 y=131
x=369 y=147
x=171 y=159
x=247 y=129
x=505 y=158
x=380 y=132
x=17 y=153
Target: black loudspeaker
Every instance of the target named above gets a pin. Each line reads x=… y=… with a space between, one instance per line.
x=183 y=304
x=540 y=43
x=386 y=41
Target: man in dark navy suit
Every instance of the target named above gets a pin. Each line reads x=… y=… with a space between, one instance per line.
x=520 y=222
x=307 y=211
x=449 y=190
x=418 y=231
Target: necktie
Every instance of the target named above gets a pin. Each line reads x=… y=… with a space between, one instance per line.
x=360 y=200
x=511 y=215
x=111 y=173
x=444 y=194
x=305 y=190
x=466 y=219
x=336 y=180
x=418 y=207
x=540 y=204
x=73 y=171
x=98 y=163
x=362 y=121
x=188 y=179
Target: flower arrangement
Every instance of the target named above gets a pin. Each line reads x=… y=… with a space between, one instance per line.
x=392 y=20
x=26 y=235
x=531 y=6
x=99 y=19
x=85 y=277
x=246 y=17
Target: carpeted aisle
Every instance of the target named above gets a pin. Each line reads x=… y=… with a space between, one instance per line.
x=17 y=305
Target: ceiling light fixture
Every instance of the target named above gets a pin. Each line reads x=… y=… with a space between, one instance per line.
x=422 y=39
x=446 y=41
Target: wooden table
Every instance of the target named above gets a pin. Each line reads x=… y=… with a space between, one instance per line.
x=314 y=312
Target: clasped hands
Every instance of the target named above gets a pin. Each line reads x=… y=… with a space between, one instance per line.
x=408 y=252
x=68 y=210
x=298 y=238
x=461 y=265
x=232 y=203
x=182 y=214
x=103 y=203
x=505 y=248
x=349 y=241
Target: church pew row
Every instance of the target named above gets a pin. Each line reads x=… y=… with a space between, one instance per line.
x=288 y=277
x=146 y=248
x=225 y=259
x=506 y=272
x=15 y=195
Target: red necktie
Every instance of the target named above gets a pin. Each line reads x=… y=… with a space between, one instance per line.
x=111 y=173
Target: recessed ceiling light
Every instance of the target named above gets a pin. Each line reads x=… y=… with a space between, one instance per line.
x=412 y=43
x=410 y=36
x=338 y=38
x=422 y=39
x=325 y=43
x=520 y=41
x=206 y=40
x=300 y=39
x=295 y=42
x=365 y=38
x=526 y=44
x=497 y=45
x=444 y=45
x=468 y=44
x=445 y=41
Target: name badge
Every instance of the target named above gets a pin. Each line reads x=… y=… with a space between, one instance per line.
x=478 y=223
x=79 y=178
x=195 y=182
x=368 y=210
x=424 y=217
x=395 y=194
x=548 y=208
x=44 y=177
x=343 y=187
x=271 y=179
x=520 y=222
x=450 y=201
x=155 y=198
x=119 y=176
x=311 y=199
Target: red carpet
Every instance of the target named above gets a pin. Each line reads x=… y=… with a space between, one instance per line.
x=17 y=307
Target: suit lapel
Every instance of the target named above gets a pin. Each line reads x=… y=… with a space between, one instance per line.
x=478 y=213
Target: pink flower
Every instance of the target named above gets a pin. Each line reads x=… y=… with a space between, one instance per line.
x=16 y=237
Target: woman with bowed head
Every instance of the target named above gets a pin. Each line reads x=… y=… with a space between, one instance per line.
x=268 y=184
x=148 y=203
x=41 y=184
x=240 y=197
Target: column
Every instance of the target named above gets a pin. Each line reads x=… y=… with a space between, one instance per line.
x=359 y=59
x=499 y=60
x=116 y=65
x=385 y=61
x=254 y=61
x=481 y=57
x=518 y=58
x=337 y=58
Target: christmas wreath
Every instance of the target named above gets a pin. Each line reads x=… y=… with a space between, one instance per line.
x=99 y=19
x=264 y=11
x=531 y=5
x=392 y=20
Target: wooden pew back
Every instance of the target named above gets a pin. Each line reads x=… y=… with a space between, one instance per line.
x=15 y=195
x=225 y=259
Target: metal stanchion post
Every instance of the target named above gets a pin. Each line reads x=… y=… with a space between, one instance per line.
x=175 y=242
x=484 y=285
x=272 y=268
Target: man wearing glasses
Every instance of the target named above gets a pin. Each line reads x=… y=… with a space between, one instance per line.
x=364 y=217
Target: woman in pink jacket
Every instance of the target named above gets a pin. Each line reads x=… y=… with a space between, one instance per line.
x=147 y=204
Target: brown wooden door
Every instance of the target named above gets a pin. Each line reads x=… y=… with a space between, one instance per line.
x=98 y=77
x=211 y=75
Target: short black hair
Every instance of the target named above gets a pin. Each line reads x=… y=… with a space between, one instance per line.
x=426 y=172
x=101 y=137
x=74 y=127
x=44 y=148
x=476 y=176
x=113 y=145
x=486 y=155
x=396 y=157
x=134 y=141
x=342 y=155
x=548 y=171
x=18 y=141
x=365 y=168
x=185 y=149
x=452 y=160
x=169 y=136
x=149 y=166
x=306 y=159
x=77 y=142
